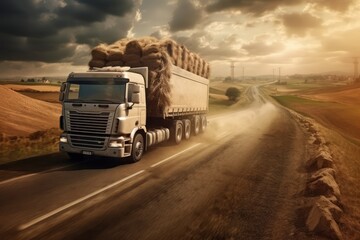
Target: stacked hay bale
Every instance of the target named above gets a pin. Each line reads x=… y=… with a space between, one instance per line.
x=158 y=56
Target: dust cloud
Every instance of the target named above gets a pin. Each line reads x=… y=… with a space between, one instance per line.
x=258 y=116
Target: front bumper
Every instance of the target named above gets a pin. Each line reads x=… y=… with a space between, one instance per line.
x=118 y=152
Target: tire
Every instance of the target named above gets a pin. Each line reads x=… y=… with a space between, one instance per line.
x=187 y=129
x=177 y=132
x=137 y=150
x=75 y=156
x=203 y=124
x=196 y=128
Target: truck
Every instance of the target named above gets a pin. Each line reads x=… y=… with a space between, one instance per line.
x=105 y=112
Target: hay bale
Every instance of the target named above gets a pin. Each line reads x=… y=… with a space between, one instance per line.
x=151 y=48
x=133 y=47
x=207 y=74
x=153 y=61
x=96 y=63
x=178 y=60
x=172 y=49
x=115 y=54
x=144 y=41
x=114 y=63
x=132 y=60
x=99 y=52
x=190 y=66
x=201 y=67
x=184 y=59
x=196 y=63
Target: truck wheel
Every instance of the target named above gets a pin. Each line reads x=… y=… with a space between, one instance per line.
x=187 y=129
x=203 y=124
x=75 y=156
x=196 y=129
x=137 y=148
x=177 y=132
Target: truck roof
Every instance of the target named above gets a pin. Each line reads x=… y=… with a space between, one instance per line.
x=137 y=75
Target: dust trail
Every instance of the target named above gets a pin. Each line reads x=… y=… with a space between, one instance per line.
x=260 y=114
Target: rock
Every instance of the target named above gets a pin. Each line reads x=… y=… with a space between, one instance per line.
x=322 y=172
x=324 y=185
x=322 y=160
x=322 y=218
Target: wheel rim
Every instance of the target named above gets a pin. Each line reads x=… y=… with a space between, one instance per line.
x=179 y=133
x=139 y=148
x=187 y=131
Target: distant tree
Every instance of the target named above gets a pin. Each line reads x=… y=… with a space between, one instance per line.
x=232 y=93
x=22 y=80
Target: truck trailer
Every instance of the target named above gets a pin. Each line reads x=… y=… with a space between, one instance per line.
x=105 y=112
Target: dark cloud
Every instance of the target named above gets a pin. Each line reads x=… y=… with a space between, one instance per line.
x=113 y=7
x=186 y=16
x=260 y=7
x=299 y=24
x=50 y=30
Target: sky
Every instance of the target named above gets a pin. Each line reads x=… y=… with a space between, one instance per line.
x=55 y=37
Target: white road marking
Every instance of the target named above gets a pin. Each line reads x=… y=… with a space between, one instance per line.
x=34 y=174
x=69 y=205
x=175 y=155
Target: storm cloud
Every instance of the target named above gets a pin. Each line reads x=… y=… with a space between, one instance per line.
x=50 y=30
x=186 y=16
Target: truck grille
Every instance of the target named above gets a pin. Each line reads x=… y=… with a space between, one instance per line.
x=87 y=141
x=94 y=123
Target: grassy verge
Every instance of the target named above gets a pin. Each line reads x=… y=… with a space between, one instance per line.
x=39 y=143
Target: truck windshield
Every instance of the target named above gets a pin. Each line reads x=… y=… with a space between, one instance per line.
x=96 y=91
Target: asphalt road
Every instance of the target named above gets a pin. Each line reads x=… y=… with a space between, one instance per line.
x=236 y=181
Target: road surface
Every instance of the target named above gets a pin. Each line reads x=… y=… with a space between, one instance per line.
x=237 y=181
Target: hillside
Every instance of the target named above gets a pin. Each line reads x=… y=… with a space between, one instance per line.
x=21 y=115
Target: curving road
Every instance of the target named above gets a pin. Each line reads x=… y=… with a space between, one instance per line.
x=238 y=180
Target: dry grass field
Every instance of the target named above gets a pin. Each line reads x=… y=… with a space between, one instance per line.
x=29 y=126
x=337 y=110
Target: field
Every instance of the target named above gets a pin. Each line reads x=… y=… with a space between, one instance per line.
x=337 y=110
x=29 y=121
x=219 y=102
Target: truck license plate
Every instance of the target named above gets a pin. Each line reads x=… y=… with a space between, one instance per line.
x=87 y=153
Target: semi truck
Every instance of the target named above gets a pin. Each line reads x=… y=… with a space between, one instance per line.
x=105 y=112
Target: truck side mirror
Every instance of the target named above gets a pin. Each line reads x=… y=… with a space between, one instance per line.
x=135 y=98
x=61 y=96
x=62 y=92
x=63 y=87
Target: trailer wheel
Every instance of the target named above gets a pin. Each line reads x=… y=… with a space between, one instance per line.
x=196 y=129
x=137 y=148
x=187 y=129
x=177 y=132
x=203 y=124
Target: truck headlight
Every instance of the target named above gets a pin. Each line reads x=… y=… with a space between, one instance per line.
x=63 y=139
x=116 y=143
